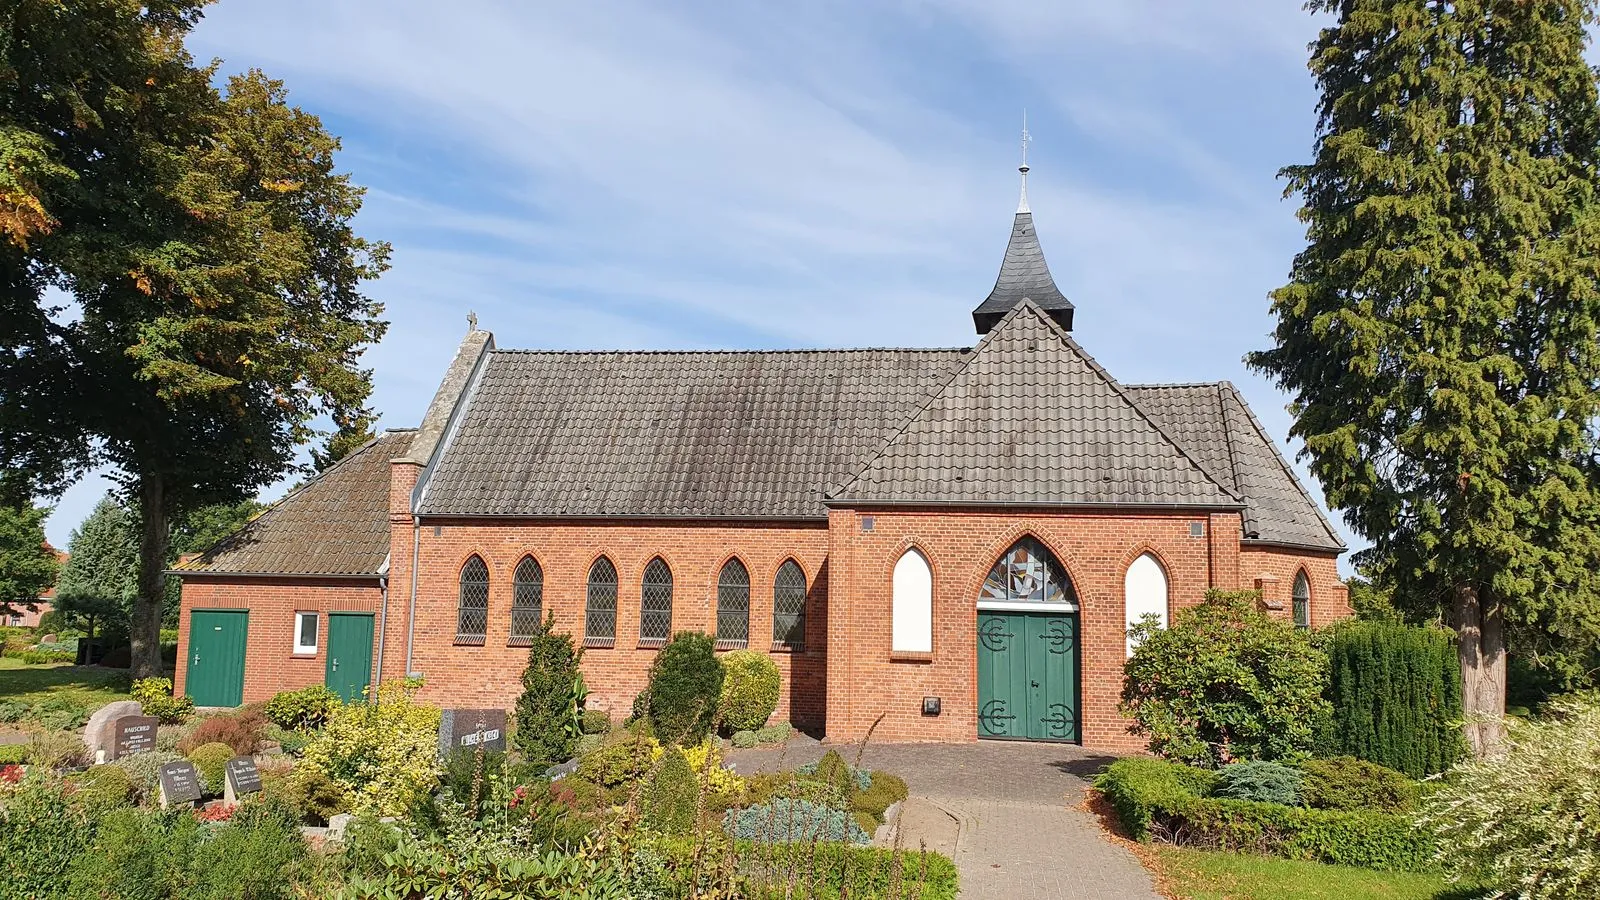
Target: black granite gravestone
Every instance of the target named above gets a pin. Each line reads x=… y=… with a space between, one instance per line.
x=180 y=783
x=132 y=734
x=467 y=728
x=242 y=777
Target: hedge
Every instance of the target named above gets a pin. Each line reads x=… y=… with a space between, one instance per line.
x=841 y=870
x=1155 y=798
x=1396 y=696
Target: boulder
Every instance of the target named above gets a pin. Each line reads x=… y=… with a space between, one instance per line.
x=99 y=734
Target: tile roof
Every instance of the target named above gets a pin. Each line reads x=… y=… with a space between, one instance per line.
x=1024 y=275
x=1030 y=418
x=673 y=434
x=335 y=524
x=1217 y=426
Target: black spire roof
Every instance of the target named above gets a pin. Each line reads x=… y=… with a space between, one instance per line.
x=1023 y=275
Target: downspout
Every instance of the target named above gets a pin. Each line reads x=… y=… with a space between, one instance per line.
x=383 y=617
x=411 y=614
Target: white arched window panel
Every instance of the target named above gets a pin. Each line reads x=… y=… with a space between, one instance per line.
x=913 y=604
x=1144 y=590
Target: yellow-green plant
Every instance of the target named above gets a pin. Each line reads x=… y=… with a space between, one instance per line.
x=705 y=759
x=383 y=754
x=212 y=760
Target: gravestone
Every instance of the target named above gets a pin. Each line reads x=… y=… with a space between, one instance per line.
x=132 y=734
x=98 y=735
x=179 y=782
x=467 y=728
x=240 y=777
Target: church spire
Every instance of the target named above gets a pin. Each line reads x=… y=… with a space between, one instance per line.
x=1024 y=275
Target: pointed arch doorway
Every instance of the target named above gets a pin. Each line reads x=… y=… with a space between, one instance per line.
x=1028 y=648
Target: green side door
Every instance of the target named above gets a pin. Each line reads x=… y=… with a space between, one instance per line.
x=349 y=668
x=215 y=664
x=1028 y=676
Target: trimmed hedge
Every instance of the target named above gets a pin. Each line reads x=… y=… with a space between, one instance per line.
x=1154 y=798
x=1396 y=696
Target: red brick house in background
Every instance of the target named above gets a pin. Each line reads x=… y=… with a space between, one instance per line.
x=954 y=540
x=30 y=618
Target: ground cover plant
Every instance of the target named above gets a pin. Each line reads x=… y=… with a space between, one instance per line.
x=83 y=687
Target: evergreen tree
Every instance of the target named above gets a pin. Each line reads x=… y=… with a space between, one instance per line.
x=100 y=581
x=27 y=564
x=548 y=711
x=1439 y=332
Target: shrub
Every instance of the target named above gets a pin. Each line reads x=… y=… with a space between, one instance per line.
x=787 y=820
x=1140 y=789
x=1225 y=682
x=776 y=733
x=469 y=773
x=144 y=771
x=381 y=754
x=305 y=709
x=155 y=697
x=40 y=835
x=1345 y=782
x=55 y=749
x=434 y=866
x=750 y=688
x=1396 y=695
x=102 y=788
x=254 y=858
x=870 y=804
x=46 y=657
x=765 y=786
x=596 y=721
x=673 y=795
x=1259 y=780
x=13 y=754
x=552 y=687
x=744 y=740
x=705 y=758
x=843 y=870
x=621 y=762
x=685 y=686
x=317 y=795
x=14 y=710
x=211 y=760
x=243 y=731
x=289 y=740
x=1528 y=822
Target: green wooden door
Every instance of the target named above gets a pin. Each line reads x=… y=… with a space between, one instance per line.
x=215 y=674
x=1028 y=676
x=349 y=668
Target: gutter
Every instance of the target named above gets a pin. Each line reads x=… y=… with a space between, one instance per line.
x=323 y=576
x=1002 y=505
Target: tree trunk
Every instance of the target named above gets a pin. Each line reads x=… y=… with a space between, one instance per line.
x=145 y=634
x=1481 y=645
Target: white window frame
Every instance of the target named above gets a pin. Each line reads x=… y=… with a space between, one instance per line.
x=299 y=629
x=911 y=625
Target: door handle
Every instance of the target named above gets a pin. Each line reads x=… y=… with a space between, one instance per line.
x=197 y=659
x=336 y=663
x=1035 y=684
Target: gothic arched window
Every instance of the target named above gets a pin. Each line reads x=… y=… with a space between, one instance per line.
x=1028 y=572
x=600 y=607
x=789 y=607
x=733 y=605
x=527 y=600
x=655 y=606
x=1302 y=600
x=472 y=607
x=911 y=614
x=1144 y=593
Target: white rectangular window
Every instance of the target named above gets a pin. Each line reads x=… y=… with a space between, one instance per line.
x=305 y=632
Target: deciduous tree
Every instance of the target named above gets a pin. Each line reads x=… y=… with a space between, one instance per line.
x=1439 y=332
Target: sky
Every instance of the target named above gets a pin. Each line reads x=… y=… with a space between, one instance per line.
x=837 y=173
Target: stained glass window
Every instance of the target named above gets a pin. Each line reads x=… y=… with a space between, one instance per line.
x=472 y=610
x=789 y=607
x=733 y=606
x=1302 y=600
x=1028 y=572
x=600 y=612
x=655 y=608
x=527 y=601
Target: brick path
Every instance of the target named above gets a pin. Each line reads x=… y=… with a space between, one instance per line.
x=1020 y=833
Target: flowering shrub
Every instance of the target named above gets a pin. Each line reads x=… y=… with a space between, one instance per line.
x=1527 y=823
x=784 y=819
x=243 y=731
x=155 y=697
x=382 y=754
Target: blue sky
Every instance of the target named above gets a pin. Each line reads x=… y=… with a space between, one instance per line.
x=824 y=174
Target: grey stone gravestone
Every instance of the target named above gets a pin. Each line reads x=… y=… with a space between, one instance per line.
x=467 y=728
x=179 y=782
x=133 y=734
x=98 y=735
x=240 y=777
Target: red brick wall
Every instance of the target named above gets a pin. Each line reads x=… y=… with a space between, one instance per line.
x=695 y=551
x=1272 y=570
x=271 y=664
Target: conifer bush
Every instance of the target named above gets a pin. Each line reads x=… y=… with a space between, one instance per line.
x=750 y=688
x=1260 y=781
x=548 y=714
x=685 y=688
x=1345 y=782
x=670 y=802
x=1396 y=696
x=211 y=760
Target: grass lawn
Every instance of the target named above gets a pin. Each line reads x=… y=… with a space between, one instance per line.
x=90 y=686
x=1207 y=875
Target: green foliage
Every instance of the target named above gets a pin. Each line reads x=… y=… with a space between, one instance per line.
x=547 y=712
x=1259 y=780
x=622 y=761
x=1528 y=822
x=380 y=754
x=469 y=775
x=1142 y=789
x=1438 y=336
x=316 y=794
x=12 y=754
x=40 y=834
x=674 y=792
x=433 y=866
x=744 y=739
x=289 y=740
x=103 y=788
x=27 y=566
x=684 y=689
x=789 y=820
x=1396 y=694
x=101 y=576
x=596 y=721
x=144 y=771
x=884 y=791
x=776 y=733
x=304 y=709
x=846 y=870
x=750 y=688
x=46 y=657
x=198 y=530
x=155 y=696
x=211 y=760
x=1225 y=682
x=1345 y=782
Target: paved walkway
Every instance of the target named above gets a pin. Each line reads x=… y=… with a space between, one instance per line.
x=1017 y=830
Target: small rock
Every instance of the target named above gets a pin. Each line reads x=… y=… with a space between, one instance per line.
x=561 y=771
x=99 y=733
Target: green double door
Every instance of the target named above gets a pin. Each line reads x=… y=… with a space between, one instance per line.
x=215 y=665
x=1028 y=675
x=349 y=666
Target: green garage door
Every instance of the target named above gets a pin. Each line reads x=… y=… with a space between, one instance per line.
x=215 y=674
x=1028 y=676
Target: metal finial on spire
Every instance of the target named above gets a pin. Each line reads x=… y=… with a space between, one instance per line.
x=1022 y=205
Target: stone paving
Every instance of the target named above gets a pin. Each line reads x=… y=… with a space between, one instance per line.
x=1020 y=831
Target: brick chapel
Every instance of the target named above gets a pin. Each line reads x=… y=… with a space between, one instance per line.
x=950 y=543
